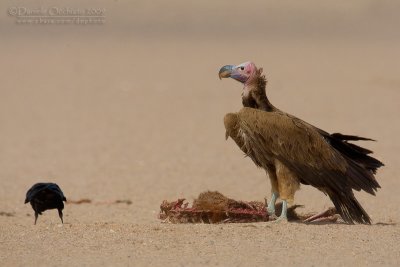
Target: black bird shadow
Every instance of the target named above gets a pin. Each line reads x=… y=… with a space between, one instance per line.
x=7 y=214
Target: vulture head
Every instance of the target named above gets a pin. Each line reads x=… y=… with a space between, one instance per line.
x=254 y=95
x=243 y=73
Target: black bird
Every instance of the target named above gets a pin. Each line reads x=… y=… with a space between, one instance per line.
x=46 y=196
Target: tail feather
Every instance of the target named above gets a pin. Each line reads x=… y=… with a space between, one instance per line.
x=359 y=149
x=359 y=178
x=360 y=174
x=349 y=208
x=346 y=137
x=354 y=152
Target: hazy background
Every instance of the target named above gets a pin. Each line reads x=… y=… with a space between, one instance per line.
x=133 y=108
x=135 y=104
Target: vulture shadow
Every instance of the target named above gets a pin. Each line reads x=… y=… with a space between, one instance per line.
x=385 y=224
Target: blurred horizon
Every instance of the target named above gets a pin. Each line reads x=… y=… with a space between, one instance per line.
x=371 y=21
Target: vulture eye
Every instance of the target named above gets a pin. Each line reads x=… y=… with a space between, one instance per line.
x=242 y=68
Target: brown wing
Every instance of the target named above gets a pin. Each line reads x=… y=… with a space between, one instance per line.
x=265 y=136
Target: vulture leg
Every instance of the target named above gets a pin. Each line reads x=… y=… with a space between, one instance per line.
x=288 y=184
x=274 y=188
x=61 y=215
x=271 y=204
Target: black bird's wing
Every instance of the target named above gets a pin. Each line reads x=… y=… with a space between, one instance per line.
x=44 y=187
x=57 y=190
x=34 y=190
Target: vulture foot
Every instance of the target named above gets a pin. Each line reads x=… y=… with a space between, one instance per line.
x=283 y=217
x=281 y=220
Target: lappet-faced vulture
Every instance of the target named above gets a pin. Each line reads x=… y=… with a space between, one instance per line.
x=294 y=152
x=46 y=196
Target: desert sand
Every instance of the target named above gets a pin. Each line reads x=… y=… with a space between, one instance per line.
x=133 y=110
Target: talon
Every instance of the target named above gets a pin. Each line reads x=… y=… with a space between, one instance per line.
x=281 y=220
x=283 y=216
x=273 y=217
x=271 y=212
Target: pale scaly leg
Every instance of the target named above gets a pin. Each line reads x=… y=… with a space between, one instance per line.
x=271 y=204
x=283 y=217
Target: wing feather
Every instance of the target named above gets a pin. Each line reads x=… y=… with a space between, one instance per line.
x=301 y=148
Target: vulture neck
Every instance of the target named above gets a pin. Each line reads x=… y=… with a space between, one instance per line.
x=255 y=96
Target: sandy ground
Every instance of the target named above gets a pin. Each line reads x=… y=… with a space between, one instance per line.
x=132 y=110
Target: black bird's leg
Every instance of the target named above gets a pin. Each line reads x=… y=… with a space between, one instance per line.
x=36 y=216
x=61 y=215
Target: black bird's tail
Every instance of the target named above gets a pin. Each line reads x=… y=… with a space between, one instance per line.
x=349 y=208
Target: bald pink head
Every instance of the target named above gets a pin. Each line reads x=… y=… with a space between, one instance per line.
x=242 y=72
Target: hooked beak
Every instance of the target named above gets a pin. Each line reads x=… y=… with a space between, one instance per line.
x=225 y=71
